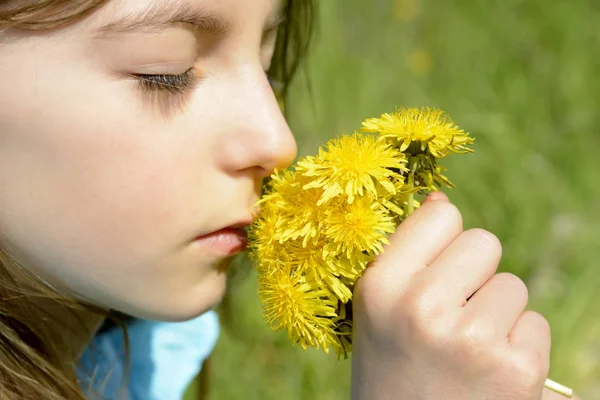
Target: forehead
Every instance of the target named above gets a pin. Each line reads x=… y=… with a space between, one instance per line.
x=120 y=16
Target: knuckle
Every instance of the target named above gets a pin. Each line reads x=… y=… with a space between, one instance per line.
x=422 y=319
x=370 y=291
x=475 y=339
x=485 y=240
x=367 y=283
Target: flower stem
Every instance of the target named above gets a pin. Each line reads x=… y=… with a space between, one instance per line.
x=558 y=388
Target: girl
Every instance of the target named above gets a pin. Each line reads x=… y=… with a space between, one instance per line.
x=134 y=138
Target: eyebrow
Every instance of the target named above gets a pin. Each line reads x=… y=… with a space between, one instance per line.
x=157 y=17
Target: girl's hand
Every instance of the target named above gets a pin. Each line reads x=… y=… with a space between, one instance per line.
x=417 y=337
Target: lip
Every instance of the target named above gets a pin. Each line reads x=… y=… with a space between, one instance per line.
x=227 y=241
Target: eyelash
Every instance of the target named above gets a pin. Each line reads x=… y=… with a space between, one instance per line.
x=172 y=84
x=178 y=84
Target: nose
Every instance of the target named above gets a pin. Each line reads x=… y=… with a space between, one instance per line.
x=258 y=138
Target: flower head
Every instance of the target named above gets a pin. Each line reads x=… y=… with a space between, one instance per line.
x=317 y=265
x=351 y=166
x=361 y=226
x=304 y=218
x=428 y=130
x=264 y=250
x=303 y=309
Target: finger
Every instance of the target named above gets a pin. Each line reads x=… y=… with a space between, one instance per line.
x=531 y=331
x=530 y=341
x=503 y=299
x=548 y=394
x=435 y=196
x=463 y=267
x=420 y=239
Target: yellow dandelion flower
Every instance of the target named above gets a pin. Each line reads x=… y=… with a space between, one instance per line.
x=282 y=186
x=359 y=226
x=297 y=208
x=318 y=266
x=354 y=265
x=303 y=216
x=300 y=307
x=420 y=131
x=263 y=248
x=353 y=165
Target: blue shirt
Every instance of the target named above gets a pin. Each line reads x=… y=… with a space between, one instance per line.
x=165 y=357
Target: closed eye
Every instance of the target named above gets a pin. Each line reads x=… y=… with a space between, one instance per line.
x=173 y=84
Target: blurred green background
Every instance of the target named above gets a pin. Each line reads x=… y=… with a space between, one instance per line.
x=522 y=76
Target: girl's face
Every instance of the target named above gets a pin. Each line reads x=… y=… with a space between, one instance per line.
x=129 y=134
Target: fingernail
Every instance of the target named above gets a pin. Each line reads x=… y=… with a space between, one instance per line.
x=435 y=196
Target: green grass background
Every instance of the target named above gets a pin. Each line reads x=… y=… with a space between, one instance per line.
x=522 y=76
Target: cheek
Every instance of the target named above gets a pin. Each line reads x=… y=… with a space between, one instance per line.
x=84 y=183
x=96 y=193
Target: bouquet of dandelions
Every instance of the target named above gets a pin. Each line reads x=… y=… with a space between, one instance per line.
x=323 y=220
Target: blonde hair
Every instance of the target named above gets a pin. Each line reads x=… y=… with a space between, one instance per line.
x=33 y=360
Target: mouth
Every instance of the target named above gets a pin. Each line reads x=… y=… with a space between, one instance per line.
x=226 y=241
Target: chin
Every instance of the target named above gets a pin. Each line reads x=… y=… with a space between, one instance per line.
x=200 y=299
